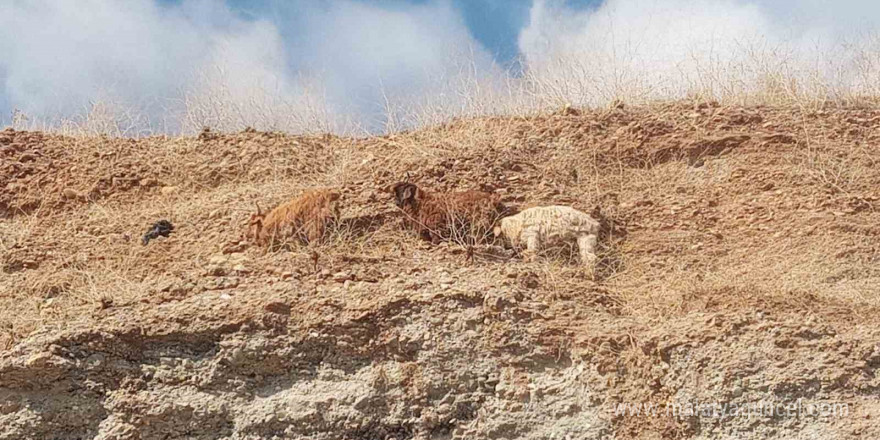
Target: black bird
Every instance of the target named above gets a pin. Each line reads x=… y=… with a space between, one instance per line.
x=160 y=228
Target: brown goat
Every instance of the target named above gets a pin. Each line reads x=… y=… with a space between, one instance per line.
x=436 y=216
x=305 y=217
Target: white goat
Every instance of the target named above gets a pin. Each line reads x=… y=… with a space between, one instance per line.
x=549 y=226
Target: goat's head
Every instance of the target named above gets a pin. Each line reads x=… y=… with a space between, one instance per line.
x=600 y=217
x=501 y=225
x=497 y=231
x=405 y=193
x=335 y=207
x=255 y=224
x=499 y=235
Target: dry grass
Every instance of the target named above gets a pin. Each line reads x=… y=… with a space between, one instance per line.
x=769 y=222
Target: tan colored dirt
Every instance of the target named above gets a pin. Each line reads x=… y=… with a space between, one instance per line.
x=741 y=267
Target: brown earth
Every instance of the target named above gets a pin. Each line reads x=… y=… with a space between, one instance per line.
x=742 y=266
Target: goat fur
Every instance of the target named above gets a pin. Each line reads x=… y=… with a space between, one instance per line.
x=436 y=216
x=305 y=217
x=551 y=226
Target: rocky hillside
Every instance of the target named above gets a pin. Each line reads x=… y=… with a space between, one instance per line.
x=740 y=268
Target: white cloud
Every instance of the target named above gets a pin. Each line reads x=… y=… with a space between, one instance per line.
x=200 y=60
x=320 y=65
x=365 y=54
x=59 y=54
x=644 y=49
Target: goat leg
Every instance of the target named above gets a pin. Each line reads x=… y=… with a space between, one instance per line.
x=587 y=248
x=533 y=246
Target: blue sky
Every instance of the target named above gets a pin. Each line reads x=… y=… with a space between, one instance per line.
x=495 y=24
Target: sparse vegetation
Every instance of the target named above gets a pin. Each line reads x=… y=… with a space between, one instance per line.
x=740 y=236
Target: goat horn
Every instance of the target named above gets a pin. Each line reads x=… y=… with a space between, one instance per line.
x=406 y=177
x=259 y=210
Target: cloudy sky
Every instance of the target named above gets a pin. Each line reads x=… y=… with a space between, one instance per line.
x=164 y=57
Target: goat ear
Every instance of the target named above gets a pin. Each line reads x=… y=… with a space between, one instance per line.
x=596 y=212
x=411 y=191
x=497 y=231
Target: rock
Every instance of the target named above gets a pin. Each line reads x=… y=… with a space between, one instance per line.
x=286 y=275
x=240 y=268
x=218 y=260
x=168 y=190
x=529 y=280
x=184 y=289
x=69 y=193
x=362 y=402
x=216 y=271
x=277 y=307
x=235 y=247
x=341 y=277
x=95 y=360
x=736 y=391
x=446 y=280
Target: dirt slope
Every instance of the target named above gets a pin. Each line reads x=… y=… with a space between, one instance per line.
x=741 y=267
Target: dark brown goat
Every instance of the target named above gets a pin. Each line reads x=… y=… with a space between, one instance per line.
x=437 y=216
